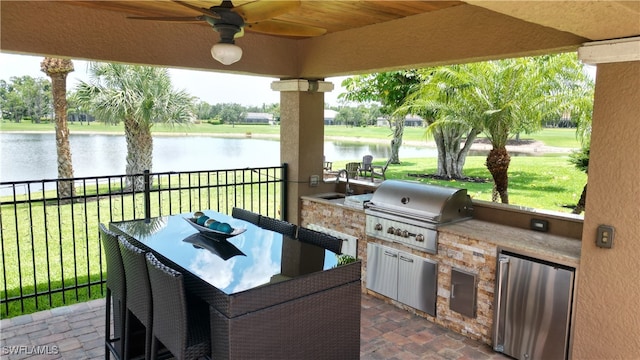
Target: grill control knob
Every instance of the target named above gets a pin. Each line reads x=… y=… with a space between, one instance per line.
x=398 y=232
x=405 y=234
x=378 y=227
x=391 y=230
x=420 y=238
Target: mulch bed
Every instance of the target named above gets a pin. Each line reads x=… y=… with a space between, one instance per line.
x=438 y=177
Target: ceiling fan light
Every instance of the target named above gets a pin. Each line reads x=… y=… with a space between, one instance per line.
x=225 y=53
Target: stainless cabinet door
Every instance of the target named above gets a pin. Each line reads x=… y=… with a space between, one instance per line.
x=382 y=270
x=417 y=282
x=536 y=310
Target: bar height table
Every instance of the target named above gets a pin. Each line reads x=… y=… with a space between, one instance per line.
x=270 y=296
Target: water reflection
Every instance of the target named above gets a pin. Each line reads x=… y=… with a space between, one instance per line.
x=33 y=156
x=267 y=263
x=224 y=249
x=203 y=264
x=238 y=274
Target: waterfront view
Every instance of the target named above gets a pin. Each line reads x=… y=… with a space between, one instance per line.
x=33 y=156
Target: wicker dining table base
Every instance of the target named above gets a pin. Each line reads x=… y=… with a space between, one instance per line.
x=323 y=325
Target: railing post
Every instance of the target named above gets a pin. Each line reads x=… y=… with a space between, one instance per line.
x=147 y=196
x=284 y=184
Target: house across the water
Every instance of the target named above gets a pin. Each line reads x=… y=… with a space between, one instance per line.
x=259 y=118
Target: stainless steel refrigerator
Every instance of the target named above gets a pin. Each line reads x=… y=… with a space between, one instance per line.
x=533 y=308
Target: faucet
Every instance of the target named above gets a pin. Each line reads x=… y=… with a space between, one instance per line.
x=348 y=190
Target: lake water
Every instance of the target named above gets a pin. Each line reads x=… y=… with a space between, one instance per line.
x=33 y=156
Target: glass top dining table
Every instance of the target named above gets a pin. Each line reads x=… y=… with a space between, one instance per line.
x=242 y=262
x=269 y=296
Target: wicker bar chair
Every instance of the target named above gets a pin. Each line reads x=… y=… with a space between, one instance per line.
x=323 y=240
x=246 y=215
x=281 y=226
x=116 y=295
x=138 y=292
x=180 y=324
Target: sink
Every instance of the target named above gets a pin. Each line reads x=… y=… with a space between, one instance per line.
x=353 y=201
x=336 y=198
x=331 y=196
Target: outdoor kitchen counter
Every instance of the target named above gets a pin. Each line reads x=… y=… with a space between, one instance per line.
x=553 y=248
x=340 y=200
x=559 y=249
x=469 y=245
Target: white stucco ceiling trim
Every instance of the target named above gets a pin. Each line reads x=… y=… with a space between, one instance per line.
x=610 y=51
x=302 y=85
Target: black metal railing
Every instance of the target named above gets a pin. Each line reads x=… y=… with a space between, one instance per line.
x=51 y=253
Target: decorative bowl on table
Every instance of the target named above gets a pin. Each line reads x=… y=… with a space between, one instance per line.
x=214 y=233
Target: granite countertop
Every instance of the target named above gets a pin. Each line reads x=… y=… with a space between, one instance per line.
x=553 y=248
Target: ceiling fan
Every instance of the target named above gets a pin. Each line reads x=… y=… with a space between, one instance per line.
x=230 y=21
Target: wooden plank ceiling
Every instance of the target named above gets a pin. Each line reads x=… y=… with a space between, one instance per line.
x=333 y=16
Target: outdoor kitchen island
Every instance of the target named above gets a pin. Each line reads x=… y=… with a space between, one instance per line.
x=468 y=247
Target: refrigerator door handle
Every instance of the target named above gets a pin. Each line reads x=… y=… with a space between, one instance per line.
x=503 y=269
x=389 y=253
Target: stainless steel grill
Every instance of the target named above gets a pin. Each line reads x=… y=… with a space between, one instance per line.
x=409 y=212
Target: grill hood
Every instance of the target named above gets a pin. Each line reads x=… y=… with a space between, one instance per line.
x=421 y=202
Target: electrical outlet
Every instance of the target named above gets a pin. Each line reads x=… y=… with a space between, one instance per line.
x=604 y=238
x=539 y=225
x=314 y=180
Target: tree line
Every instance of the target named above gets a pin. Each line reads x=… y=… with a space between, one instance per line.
x=25 y=98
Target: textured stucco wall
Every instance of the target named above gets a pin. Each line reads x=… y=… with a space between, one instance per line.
x=454 y=35
x=607 y=318
x=301 y=145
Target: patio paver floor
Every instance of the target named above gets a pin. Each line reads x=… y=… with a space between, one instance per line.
x=387 y=332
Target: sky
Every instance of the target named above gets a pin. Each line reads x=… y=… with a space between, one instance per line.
x=211 y=87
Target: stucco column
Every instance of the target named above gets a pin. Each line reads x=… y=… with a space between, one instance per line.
x=301 y=147
x=607 y=320
x=301 y=137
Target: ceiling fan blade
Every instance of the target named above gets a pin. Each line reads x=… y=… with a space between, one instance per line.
x=264 y=10
x=170 y=18
x=205 y=11
x=276 y=27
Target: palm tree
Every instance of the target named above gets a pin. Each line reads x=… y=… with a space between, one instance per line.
x=58 y=69
x=581 y=110
x=503 y=100
x=140 y=96
x=500 y=98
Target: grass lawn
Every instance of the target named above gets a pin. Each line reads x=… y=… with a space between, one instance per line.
x=551 y=137
x=541 y=182
x=556 y=137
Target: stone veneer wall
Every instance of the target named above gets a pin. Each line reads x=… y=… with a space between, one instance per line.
x=344 y=220
x=454 y=251
x=476 y=257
